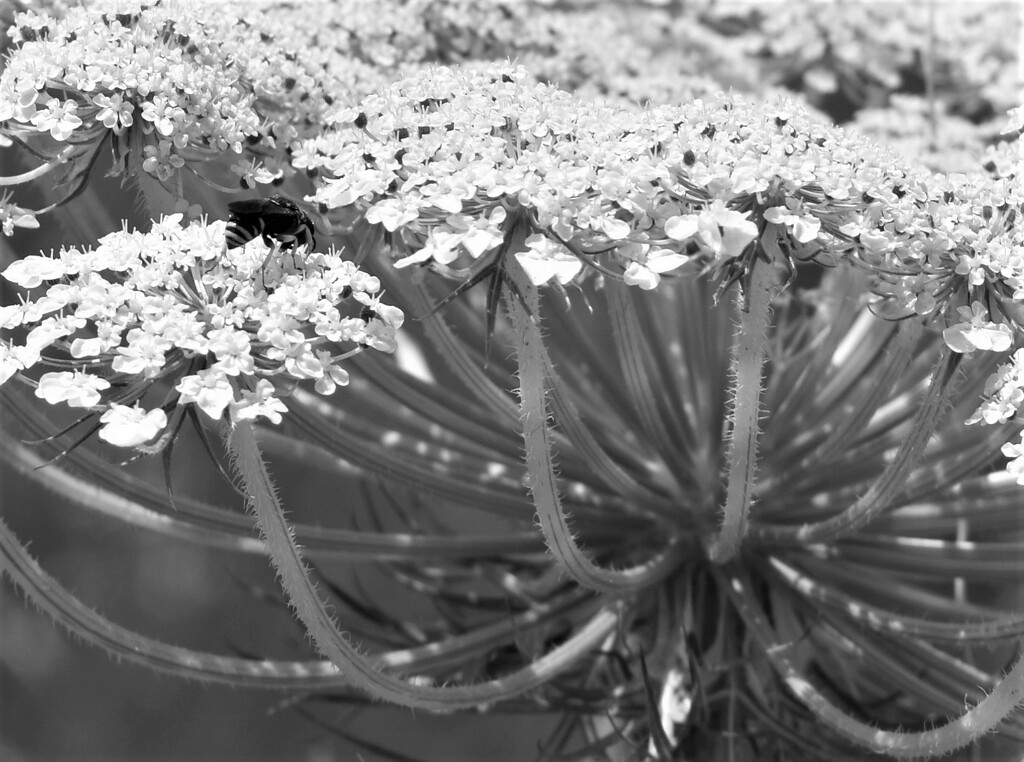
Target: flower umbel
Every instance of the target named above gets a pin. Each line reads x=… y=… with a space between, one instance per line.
x=226 y=330
x=722 y=499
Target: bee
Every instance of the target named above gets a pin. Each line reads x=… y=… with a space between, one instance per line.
x=276 y=219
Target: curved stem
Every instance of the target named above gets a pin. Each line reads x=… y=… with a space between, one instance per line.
x=366 y=672
x=631 y=347
x=892 y=480
x=64 y=608
x=540 y=461
x=38 y=172
x=993 y=626
x=604 y=466
x=955 y=734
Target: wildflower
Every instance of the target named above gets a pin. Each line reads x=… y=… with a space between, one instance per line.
x=57 y=118
x=594 y=192
x=124 y=426
x=507 y=143
x=712 y=459
x=176 y=83
x=724 y=231
x=649 y=264
x=976 y=332
x=545 y=260
x=804 y=228
x=77 y=389
x=222 y=327
x=1004 y=392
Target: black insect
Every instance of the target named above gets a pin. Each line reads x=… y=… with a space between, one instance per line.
x=275 y=219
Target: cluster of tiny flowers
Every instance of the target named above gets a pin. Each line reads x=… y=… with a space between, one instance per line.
x=227 y=330
x=1005 y=159
x=939 y=233
x=452 y=162
x=486 y=30
x=326 y=53
x=954 y=250
x=603 y=51
x=451 y=159
x=153 y=69
x=173 y=82
x=950 y=248
x=995 y=269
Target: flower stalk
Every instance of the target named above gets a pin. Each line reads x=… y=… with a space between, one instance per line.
x=1007 y=695
x=322 y=627
x=540 y=460
x=749 y=355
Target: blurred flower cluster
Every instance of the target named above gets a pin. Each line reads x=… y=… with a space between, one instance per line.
x=724 y=462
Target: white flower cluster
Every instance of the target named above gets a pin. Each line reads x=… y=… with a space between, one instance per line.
x=449 y=159
x=172 y=82
x=951 y=248
x=230 y=328
x=115 y=64
x=958 y=253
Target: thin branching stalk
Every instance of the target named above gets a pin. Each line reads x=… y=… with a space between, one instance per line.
x=37 y=172
x=956 y=734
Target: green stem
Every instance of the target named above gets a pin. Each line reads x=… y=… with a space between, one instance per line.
x=366 y=672
x=955 y=734
x=879 y=496
x=540 y=460
x=37 y=172
x=749 y=353
x=52 y=598
x=65 y=609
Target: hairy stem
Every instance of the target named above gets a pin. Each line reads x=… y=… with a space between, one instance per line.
x=366 y=672
x=872 y=503
x=944 y=739
x=749 y=353
x=540 y=462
